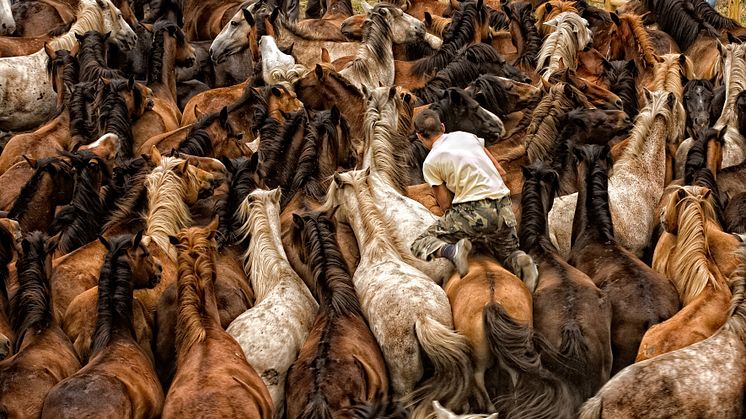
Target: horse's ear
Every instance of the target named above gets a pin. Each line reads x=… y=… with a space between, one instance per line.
x=248 y=17
x=275 y=91
x=526 y=172
x=365 y=92
x=392 y=92
x=49 y=50
x=254 y=162
x=224 y=116
x=289 y=51
x=325 y=58
x=428 y=18
x=173 y=240
x=615 y=18
x=721 y=134
x=606 y=64
x=107 y=35
x=670 y=100
x=273 y=16
x=319 y=71
x=337 y=179
x=631 y=66
x=297 y=221
x=647 y=94
x=75 y=48
x=182 y=168
x=454 y=96
x=31 y=161
x=732 y=39
x=103 y=241
x=548 y=7
x=545 y=86
x=197 y=112
x=569 y=93
x=335 y=114
x=137 y=239
x=131 y=82
x=407 y=98
x=106 y=82
x=721 y=48
x=155 y=156
x=79 y=37
x=51 y=244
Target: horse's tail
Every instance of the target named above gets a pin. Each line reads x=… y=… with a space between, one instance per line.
x=450 y=355
x=571 y=361
x=317 y=408
x=537 y=392
x=592 y=409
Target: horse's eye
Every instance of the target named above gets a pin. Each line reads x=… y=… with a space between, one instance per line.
x=234 y=23
x=583 y=87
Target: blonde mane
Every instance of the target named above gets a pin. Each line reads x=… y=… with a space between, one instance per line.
x=265 y=260
x=690 y=263
x=641 y=35
x=668 y=72
x=644 y=124
x=558 y=6
x=438 y=25
x=89 y=17
x=737 y=321
x=167 y=211
x=734 y=74
x=561 y=47
x=542 y=132
x=382 y=138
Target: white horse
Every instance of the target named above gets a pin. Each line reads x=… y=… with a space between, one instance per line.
x=7 y=23
x=561 y=47
x=272 y=332
x=234 y=37
x=636 y=184
x=407 y=312
x=278 y=67
x=28 y=99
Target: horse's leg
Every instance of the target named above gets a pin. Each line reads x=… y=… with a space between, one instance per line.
x=483 y=397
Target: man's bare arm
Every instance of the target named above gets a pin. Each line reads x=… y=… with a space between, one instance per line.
x=499 y=168
x=443 y=196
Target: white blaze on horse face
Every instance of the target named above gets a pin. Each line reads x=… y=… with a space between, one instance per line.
x=433 y=41
x=496 y=119
x=7 y=24
x=233 y=38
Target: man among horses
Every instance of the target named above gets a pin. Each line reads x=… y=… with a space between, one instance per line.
x=468 y=185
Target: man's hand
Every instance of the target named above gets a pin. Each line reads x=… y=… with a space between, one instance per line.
x=499 y=168
x=443 y=196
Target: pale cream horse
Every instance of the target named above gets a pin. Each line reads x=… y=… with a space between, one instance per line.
x=636 y=184
x=25 y=86
x=272 y=332
x=561 y=47
x=408 y=314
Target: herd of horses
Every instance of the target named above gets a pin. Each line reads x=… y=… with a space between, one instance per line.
x=207 y=207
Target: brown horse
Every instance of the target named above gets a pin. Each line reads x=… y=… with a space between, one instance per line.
x=341 y=363
x=640 y=297
x=569 y=310
x=121 y=374
x=713 y=371
x=212 y=375
x=683 y=255
x=169 y=49
x=43 y=354
x=8 y=245
x=203 y=20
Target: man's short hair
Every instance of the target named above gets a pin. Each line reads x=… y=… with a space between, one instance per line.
x=427 y=123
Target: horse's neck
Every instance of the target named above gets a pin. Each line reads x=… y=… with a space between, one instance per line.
x=533 y=228
x=733 y=86
x=651 y=157
x=197 y=310
x=353 y=107
x=368 y=64
x=81 y=26
x=40 y=209
x=370 y=230
x=164 y=220
x=268 y=261
x=167 y=80
x=585 y=225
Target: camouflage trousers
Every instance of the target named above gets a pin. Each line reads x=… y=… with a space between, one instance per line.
x=488 y=223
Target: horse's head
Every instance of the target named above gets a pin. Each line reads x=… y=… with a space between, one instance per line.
x=137 y=96
x=63 y=71
x=146 y=270
x=459 y=112
x=611 y=122
x=7 y=23
x=173 y=38
x=404 y=28
x=105 y=147
x=698 y=96
x=122 y=34
x=234 y=37
x=352 y=27
x=62 y=174
x=343 y=188
x=282 y=100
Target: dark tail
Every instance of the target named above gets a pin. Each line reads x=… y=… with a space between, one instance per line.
x=537 y=393
x=570 y=362
x=317 y=408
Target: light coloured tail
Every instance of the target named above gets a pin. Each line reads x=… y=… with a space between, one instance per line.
x=591 y=409
x=450 y=355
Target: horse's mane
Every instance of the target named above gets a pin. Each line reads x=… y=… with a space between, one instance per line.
x=31 y=308
x=383 y=140
x=558 y=6
x=696 y=156
x=438 y=24
x=691 y=260
x=642 y=36
x=196 y=267
x=197 y=143
x=563 y=45
x=711 y=16
x=533 y=229
x=375 y=51
x=89 y=17
x=597 y=191
x=741 y=113
x=280 y=168
x=704 y=178
x=167 y=211
x=331 y=276
x=622 y=83
x=93 y=60
x=532 y=39
x=70 y=72
x=82 y=122
x=158 y=48
x=668 y=72
x=679 y=19
x=242 y=182
x=643 y=127
x=542 y=131
x=265 y=259
x=734 y=81
x=7 y=252
x=491 y=94
x=114 y=116
x=114 y=294
x=134 y=198
x=47 y=165
x=80 y=221
x=737 y=321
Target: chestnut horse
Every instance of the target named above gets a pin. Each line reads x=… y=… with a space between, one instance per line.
x=340 y=364
x=212 y=375
x=639 y=296
x=43 y=356
x=683 y=255
x=713 y=370
x=119 y=371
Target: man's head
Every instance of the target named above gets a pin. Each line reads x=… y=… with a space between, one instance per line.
x=428 y=127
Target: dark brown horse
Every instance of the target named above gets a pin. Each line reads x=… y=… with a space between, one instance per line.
x=119 y=372
x=640 y=297
x=212 y=375
x=43 y=354
x=8 y=245
x=341 y=363
x=569 y=310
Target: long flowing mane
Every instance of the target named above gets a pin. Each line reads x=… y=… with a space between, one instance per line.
x=44 y=167
x=691 y=258
x=114 y=294
x=243 y=181
x=89 y=17
x=711 y=16
x=735 y=82
x=532 y=40
x=129 y=180
x=561 y=47
x=641 y=36
x=667 y=74
x=385 y=146
x=643 y=128
x=31 y=309
x=114 y=116
x=92 y=58
x=167 y=211
x=265 y=261
x=737 y=321
x=597 y=192
x=622 y=83
x=158 y=49
x=374 y=53
x=533 y=229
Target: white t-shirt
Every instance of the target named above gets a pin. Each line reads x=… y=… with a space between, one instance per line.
x=458 y=158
